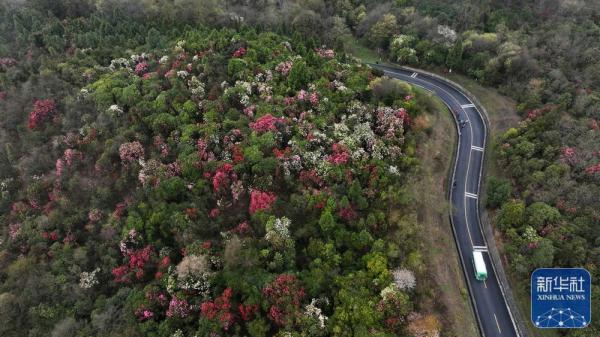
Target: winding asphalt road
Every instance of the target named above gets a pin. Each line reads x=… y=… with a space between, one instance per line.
x=493 y=314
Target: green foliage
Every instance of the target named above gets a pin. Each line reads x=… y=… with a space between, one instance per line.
x=512 y=214
x=498 y=192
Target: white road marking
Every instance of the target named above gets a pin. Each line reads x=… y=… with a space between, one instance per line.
x=476 y=148
x=414 y=75
x=484 y=284
x=497 y=324
x=464 y=106
x=470 y=195
x=480 y=248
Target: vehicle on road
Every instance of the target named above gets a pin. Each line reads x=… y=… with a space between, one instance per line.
x=479 y=264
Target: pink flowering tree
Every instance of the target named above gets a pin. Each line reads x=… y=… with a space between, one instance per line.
x=284 y=295
x=141 y=68
x=178 y=308
x=220 y=310
x=136 y=265
x=340 y=155
x=284 y=67
x=325 y=53
x=130 y=152
x=43 y=110
x=260 y=200
x=223 y=177
x=266 y=123
x=240 y=52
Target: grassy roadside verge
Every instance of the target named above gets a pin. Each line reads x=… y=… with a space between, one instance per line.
x=435 y=149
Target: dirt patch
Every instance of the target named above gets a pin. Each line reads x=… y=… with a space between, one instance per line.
x=450 y=296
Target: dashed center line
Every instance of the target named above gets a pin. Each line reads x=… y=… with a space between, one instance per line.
x=464 y=106
x=497 y=324
x=470 y=195
x=476 y=148
x=414 y=75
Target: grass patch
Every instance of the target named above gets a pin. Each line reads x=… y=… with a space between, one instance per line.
x=355 y=48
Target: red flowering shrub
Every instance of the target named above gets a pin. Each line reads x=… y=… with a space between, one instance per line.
x=314 y=98
x=141 y=68
x=289 y=101
x=266 y=123
x=173 y=169
x=236 y=154
x=260 y=200
x=144 y=314
x=160 y=144
x=347 y=213
x=593 y=169
x=214 y=213
x=284 y=295
x=302 y=94
x=59 y=167
x=223 y=177
x=243 y=228
x=240 y=52
x=148 y=76
x=535 y=113
x=137 y=263
x=340 y=155
x=569 y=155
x=403 y=114
x=7 y=62
x=284 y=67
x=309 y=178
x=121 y=274
x=220 y=309
x=70 y=155
x=246 y=311
x=326 y=53
x=42 y=111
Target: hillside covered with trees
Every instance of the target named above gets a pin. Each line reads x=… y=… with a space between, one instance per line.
x=164 y=180
x=199 y=166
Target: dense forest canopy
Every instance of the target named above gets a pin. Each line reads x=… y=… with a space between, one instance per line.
x=200 y=166
x=196 y=181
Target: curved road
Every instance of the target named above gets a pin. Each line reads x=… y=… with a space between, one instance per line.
x=493 y=314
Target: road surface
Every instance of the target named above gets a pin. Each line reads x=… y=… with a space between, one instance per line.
x=493 y=313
